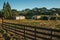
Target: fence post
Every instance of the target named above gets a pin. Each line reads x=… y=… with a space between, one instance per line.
x=2 y=21
x=35 y=32
x=24 y=33
x=51 y=34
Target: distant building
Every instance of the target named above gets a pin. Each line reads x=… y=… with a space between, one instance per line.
x=36 y=17
x=56 y=14
x=20 y=17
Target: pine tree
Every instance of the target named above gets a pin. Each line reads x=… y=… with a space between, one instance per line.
x=7 y=10
x=4 y=10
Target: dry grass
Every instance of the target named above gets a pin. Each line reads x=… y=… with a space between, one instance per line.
x=40 y=23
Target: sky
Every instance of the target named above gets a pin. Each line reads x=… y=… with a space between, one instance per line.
x=23 y=4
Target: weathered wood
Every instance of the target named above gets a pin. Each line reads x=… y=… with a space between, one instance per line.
x=32 y=32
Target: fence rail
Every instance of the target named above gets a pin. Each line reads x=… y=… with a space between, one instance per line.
x=32 y=32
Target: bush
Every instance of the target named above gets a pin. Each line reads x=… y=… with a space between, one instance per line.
x=44 y=18
x=53 y=18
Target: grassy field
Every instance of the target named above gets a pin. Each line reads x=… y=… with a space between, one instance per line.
x=40 y=23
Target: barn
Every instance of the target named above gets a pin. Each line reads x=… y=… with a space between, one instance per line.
x=20 y=17
x=36 y=17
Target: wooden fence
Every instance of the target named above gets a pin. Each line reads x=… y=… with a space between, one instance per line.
x=32 y=32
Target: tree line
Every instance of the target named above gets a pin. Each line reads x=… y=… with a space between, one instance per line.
x=9 y=13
